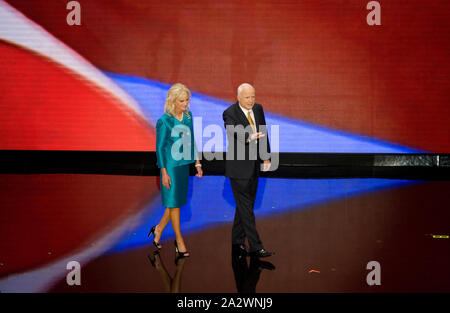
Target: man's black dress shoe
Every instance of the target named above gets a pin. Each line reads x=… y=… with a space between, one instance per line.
x=262 y=253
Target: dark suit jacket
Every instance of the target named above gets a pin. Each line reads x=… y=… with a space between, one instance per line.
x=242 y=157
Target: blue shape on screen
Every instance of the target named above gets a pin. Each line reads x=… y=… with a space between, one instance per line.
x=294 y=135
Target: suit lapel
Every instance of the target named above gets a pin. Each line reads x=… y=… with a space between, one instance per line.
x=244 y=119
x=241 y=115
x=256 y=115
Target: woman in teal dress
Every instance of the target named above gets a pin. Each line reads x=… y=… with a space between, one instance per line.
x=175 y=151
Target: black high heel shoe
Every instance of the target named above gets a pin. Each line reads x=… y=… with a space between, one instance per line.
x=156 y=244
x=180 y=254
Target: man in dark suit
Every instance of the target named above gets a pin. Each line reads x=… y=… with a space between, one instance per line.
x=248 y=146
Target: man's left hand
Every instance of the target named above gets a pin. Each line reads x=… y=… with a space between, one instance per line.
x=266 y=166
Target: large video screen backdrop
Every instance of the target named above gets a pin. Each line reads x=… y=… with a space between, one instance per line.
x=93 y=74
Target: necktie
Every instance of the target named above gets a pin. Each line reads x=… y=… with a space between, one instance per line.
x=249 y=117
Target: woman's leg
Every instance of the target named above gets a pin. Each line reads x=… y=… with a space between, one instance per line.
x=162 y=224
x=175 y=218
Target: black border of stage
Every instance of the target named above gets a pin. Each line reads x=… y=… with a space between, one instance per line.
x=291 y=165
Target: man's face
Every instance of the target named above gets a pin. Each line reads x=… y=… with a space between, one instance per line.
x=247 y=98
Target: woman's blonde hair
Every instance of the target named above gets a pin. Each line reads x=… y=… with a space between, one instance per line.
x=174 y=92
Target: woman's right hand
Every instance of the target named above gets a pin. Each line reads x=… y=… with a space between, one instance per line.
x=166 y=179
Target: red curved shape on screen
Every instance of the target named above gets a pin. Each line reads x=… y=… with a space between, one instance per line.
x=45 y=106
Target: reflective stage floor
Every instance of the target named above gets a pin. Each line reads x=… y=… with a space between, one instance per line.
x=324 y=233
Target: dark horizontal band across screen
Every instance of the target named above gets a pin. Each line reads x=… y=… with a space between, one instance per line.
x=292 y=165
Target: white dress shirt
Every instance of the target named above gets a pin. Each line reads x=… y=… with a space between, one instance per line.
x=253 y=118
x=246 y=114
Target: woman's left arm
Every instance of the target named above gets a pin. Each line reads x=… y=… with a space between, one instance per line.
x=198 y=165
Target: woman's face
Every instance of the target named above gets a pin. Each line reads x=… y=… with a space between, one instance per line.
x=181 y=103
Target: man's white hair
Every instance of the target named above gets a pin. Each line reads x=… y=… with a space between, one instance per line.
x=242 y=86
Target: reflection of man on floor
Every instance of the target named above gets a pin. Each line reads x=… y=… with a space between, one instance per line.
x=247 y=277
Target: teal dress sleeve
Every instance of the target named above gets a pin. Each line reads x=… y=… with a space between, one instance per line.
x=162 y=134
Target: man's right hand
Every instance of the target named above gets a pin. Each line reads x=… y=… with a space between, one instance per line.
x=255 y=136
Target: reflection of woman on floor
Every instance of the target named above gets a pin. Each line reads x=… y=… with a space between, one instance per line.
x=172 y=285
x=175 y=151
